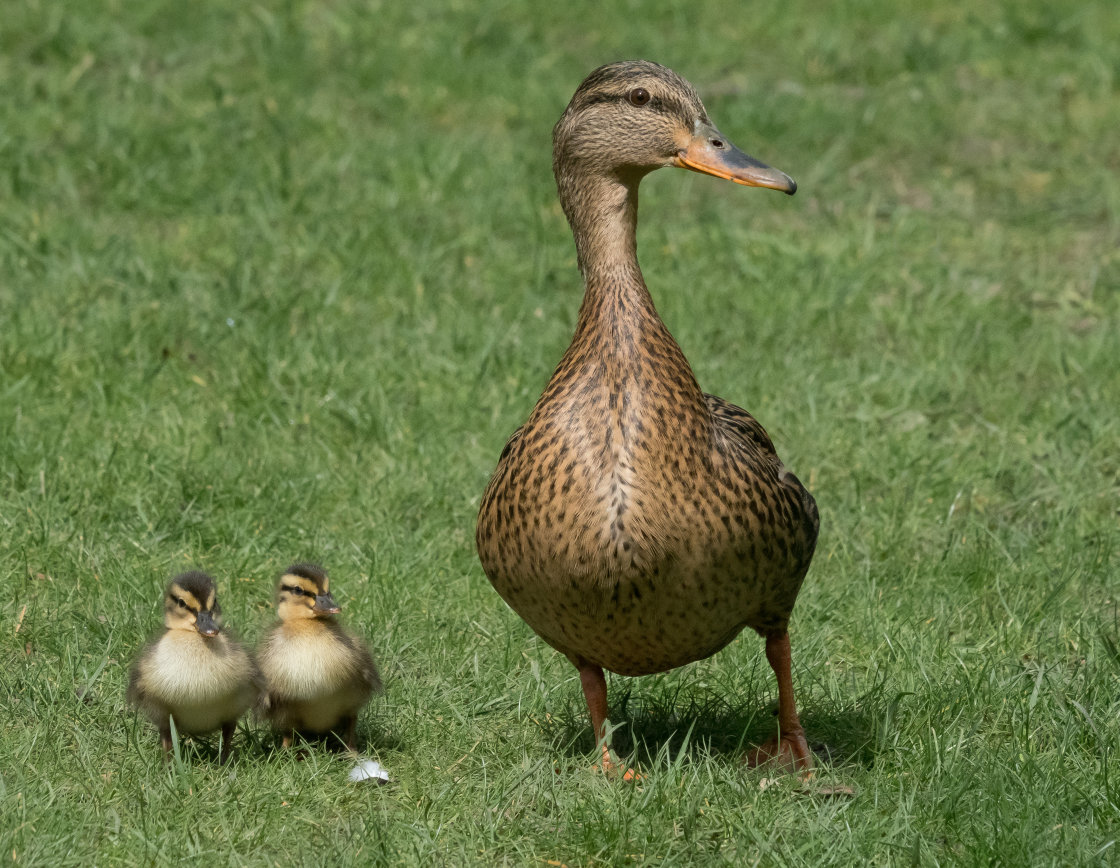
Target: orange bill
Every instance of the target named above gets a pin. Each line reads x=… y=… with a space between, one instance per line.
x=712 y=154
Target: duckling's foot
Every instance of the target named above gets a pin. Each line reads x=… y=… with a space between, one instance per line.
x=288 y=739
x=788 y=752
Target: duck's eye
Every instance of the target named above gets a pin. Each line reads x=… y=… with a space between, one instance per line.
x=639 y=96
x=182 y=605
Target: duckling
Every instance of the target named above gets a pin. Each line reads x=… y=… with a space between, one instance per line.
x=634 y=522
x=195 y=673
x=317 y=675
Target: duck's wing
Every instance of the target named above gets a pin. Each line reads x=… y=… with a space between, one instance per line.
x=359 y=661
x=256 y=677
x=736 y=422
x=503 y=463
x=246 y=658
x=486 y=528
x=136 y=694
x=748 y=449
x=367 y=669
x=269 y=703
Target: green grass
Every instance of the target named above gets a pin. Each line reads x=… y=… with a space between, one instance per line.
x=277 y=280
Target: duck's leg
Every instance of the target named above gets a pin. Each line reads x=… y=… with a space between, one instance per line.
x=788 y=749
x=595 y=692
x=165 y=738
x=288 y=739
x=227 y=741
x=350 y=737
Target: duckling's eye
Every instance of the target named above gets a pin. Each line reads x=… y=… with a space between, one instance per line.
x=639 y=96
x=182 y=605
x=294 y=590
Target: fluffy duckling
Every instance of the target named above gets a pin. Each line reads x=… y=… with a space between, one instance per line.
x=317 y=675
x=194 y=672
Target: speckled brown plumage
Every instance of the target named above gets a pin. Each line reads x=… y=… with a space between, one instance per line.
x=635 y=522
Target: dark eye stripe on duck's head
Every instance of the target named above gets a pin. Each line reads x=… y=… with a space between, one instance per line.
x=638 y=97
x=638 y=84
x=180 y=599
x=311 y=577
x=296 y=590
x=197 y=591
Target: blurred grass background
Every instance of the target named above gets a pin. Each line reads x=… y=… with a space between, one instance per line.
x=277 y=279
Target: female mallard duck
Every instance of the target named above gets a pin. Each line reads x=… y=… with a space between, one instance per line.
x=317 y=675
x=635 y=522
x=194 y=673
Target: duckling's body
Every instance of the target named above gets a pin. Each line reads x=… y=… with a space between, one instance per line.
x=635 y=522
x=194 y=673
x=317 y=675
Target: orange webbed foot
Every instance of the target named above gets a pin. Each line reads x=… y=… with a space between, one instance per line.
x=788 y=752
x=615 y=771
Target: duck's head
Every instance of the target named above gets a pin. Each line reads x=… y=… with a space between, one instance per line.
x=632 y=117
x=191 y=603
x=304 y=592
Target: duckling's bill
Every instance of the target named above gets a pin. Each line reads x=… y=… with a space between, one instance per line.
x=205 y=623
x=710 y=153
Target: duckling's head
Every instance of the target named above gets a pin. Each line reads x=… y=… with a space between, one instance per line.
x=304 y=592
x=191 y=603
x=629 y=118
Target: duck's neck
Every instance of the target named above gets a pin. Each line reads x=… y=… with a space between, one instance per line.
x=603 y=213
x=620 y=342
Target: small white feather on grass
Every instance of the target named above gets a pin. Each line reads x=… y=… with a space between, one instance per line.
x=369 y=770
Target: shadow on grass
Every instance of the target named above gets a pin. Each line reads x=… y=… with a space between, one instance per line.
x=651 y=722
x=266 y=742
x=258 y=741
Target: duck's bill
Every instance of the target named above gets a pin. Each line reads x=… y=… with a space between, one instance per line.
x=206 y=624
x=325 y=605
x=710 y=153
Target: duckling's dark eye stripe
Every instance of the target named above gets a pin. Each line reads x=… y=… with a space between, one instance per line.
x=292 y=589
x=182 y=603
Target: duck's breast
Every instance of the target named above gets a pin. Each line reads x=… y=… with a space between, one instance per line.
x=636 y=523
x=201 y=682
